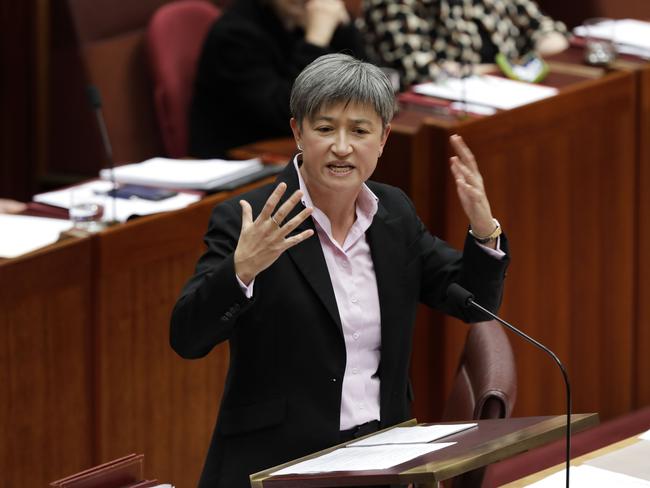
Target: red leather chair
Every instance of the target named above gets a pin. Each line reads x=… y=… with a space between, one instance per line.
x=175 y=36
x=485 y=386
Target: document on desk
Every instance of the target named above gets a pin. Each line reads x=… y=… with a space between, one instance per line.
x=632 y=460
x=584 y=476
x=20 y=234
x=413 y=435
x=362 y=458
x=95 y=192
x=191 y=174
x=487 y=90
x=645 y=436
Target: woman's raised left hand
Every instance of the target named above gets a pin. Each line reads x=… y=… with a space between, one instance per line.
x=470 y=189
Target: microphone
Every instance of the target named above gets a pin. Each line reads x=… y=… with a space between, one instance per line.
x=459 y=295
x=95 y=100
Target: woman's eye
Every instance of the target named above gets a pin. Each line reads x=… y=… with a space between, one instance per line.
x=323 y=129
x=360 y=131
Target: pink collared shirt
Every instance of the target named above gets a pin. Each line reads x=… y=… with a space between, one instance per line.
x=352 y=274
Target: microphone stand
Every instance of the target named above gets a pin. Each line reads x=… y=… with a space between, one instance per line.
x=467 y=300
x=96 y=103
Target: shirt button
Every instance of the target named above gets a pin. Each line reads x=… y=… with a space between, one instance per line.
x=361 y=406
x=354 y=299
x=356 y=335
x=355 y=371
x=344 y=263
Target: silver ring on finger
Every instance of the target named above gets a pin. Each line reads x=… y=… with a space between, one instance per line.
x=275 y=221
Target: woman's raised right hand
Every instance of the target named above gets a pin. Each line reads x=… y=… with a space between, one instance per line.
x=264 y=239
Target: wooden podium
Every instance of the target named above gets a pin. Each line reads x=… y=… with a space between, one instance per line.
x=491 y=441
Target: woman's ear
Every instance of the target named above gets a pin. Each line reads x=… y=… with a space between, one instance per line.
x=297 y=133
x=384 y=138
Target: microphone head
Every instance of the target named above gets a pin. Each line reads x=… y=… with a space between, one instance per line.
x=94 y=97
x=459 y=295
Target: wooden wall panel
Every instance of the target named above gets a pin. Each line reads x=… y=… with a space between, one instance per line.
x=149 y=399
x=642 y=339
x=46 y=411
x=559 y=173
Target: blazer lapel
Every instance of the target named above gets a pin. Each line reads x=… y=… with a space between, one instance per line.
x=308 y=255
x=383 y=238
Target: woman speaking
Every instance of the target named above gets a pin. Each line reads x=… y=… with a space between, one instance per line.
x=315 y=281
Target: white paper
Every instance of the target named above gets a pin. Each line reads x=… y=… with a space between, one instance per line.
x=645 y=436
x=362 y=458
x=94 y=192
x=20 y=234
x=195 y=174
x=585 y=476
x=412 y=435
x=487 y=90
x=630 y=35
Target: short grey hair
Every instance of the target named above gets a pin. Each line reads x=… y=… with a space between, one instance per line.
x=339 y=78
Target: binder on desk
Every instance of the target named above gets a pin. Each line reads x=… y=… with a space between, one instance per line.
x=126 y=472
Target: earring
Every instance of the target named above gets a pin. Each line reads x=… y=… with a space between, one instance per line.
x=299 y=147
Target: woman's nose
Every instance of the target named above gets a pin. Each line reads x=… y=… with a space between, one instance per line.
x=341 y=145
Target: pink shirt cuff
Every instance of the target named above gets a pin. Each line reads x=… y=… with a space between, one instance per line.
x=495 y=253
x=248 y=290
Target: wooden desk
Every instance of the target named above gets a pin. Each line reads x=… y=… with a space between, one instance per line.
x=490 y=441
x=46 y=364
x=642 y=338
x=560 y=174
x=87 y=374
x=149 y=399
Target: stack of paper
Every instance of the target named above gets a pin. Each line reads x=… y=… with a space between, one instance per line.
x=413 y=435
x=362 y=458
x=194 y=174
x=21 y=234
x=486 y=90
x=630 y=36
x=380 y=451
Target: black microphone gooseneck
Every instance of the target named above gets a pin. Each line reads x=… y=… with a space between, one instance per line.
x=95 y=100
x=461 y=296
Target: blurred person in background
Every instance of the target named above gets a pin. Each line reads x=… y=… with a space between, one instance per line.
x=249 y=61
x=422 y=38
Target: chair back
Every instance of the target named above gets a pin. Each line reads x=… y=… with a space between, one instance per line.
x=485 y=386
x=174 y=39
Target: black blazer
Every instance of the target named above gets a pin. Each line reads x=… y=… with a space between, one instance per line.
x=245 y=74
x=282 y=396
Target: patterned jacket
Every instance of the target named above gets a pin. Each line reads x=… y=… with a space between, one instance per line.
x=414 y=36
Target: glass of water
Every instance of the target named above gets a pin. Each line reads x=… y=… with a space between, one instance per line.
x=600 y=47
x=85 y=214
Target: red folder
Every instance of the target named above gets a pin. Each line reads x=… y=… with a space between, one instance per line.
x=120 y=473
